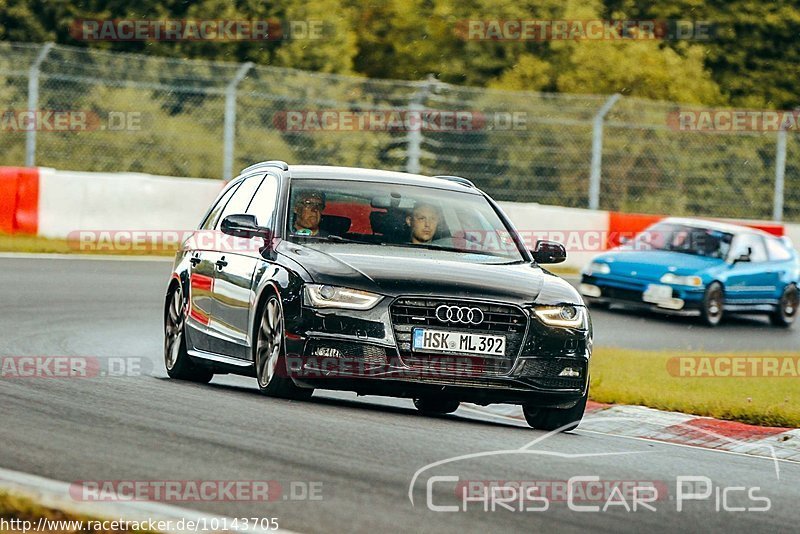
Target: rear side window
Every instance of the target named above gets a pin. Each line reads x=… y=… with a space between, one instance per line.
x=777 y=252
x=213 y=216
x=263 y=204
x=755 y=243
x=241 y=199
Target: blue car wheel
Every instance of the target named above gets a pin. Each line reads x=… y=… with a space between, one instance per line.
x=713 y=304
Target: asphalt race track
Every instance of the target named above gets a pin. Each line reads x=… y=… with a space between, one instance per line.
x=360 y=453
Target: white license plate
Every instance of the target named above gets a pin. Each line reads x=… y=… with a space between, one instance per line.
x=426 y=340
x=657 y=293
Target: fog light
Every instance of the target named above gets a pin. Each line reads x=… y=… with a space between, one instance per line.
x=591 y=290
x=570 y=372
x=672 y=304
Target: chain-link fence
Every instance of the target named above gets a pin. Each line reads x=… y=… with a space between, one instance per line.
x=209 y=119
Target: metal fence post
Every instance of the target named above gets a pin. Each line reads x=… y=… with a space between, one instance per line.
x=414 y=137
x=33 y=103
x=229 y=134
x=597 y=151
x=780 y=173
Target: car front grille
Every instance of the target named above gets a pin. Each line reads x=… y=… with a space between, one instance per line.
x=544 y=372
x=499 y=319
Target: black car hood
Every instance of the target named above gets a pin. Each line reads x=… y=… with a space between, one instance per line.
x=395 y=271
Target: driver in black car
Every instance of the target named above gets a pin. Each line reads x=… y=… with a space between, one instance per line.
x=308 y=208
x=423 y=221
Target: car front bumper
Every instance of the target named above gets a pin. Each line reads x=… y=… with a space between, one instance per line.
x=358 y=351
x=630 y=292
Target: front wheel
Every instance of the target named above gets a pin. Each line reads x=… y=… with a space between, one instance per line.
x=786 y=312
x=270 y=358
x=563 y=419
x=432 y=405
x=176 y=358
x=713 y=304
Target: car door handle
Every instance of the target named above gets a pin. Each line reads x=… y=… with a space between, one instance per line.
x=221 y=263
x=194 y=260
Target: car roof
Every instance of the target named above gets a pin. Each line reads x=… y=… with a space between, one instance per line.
x=717 y=225
x=327 y=172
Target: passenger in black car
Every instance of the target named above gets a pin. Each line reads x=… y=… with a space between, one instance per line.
x=423 y=221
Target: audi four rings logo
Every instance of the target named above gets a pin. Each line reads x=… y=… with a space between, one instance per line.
x=459 y=314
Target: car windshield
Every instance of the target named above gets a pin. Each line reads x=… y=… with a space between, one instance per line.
x=420 y=219
x=685 y=239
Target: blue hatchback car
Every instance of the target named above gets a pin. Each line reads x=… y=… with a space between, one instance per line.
x=697 y=267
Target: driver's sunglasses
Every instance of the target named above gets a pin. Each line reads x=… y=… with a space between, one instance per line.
x=313 y=205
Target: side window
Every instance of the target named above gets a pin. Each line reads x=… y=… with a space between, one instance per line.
x=263 y=204
x=755 y=243
x=241 y=199
x=211 y=219
x=777 y=252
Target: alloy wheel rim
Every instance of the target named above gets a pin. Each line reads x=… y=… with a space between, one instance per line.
x=174 y=330
x=269 y=342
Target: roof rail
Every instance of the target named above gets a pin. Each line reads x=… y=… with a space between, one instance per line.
x=271 y=163
x=456 y=179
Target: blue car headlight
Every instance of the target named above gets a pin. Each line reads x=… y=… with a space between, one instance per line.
x=676 y=280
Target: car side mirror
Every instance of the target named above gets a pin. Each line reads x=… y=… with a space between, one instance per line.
x=243 y=225
x=549 y=252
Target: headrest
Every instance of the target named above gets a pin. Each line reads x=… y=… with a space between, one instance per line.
x=335 y=224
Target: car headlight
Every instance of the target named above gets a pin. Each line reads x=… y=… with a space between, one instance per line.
x=323 y=296
x=674 y=279
x=597 y=268
x=565 y=315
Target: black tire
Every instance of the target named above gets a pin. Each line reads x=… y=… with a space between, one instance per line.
x=713 y=304
x=786 y=312
x=176 y=359
x=270 y=355
x=434 y=406
x=565 y=419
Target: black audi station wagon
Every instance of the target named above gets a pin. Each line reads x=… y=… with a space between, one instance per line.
x=381 y=283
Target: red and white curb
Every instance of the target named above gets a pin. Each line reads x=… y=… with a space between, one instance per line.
x=679 y=428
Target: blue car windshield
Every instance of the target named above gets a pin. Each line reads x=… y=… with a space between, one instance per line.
x=684 y=239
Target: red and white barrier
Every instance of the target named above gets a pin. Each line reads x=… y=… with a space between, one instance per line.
x=58 y=204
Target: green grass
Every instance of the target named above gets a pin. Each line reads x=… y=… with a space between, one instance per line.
x=624 y=376
x=42 y=245
x=25 y=509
